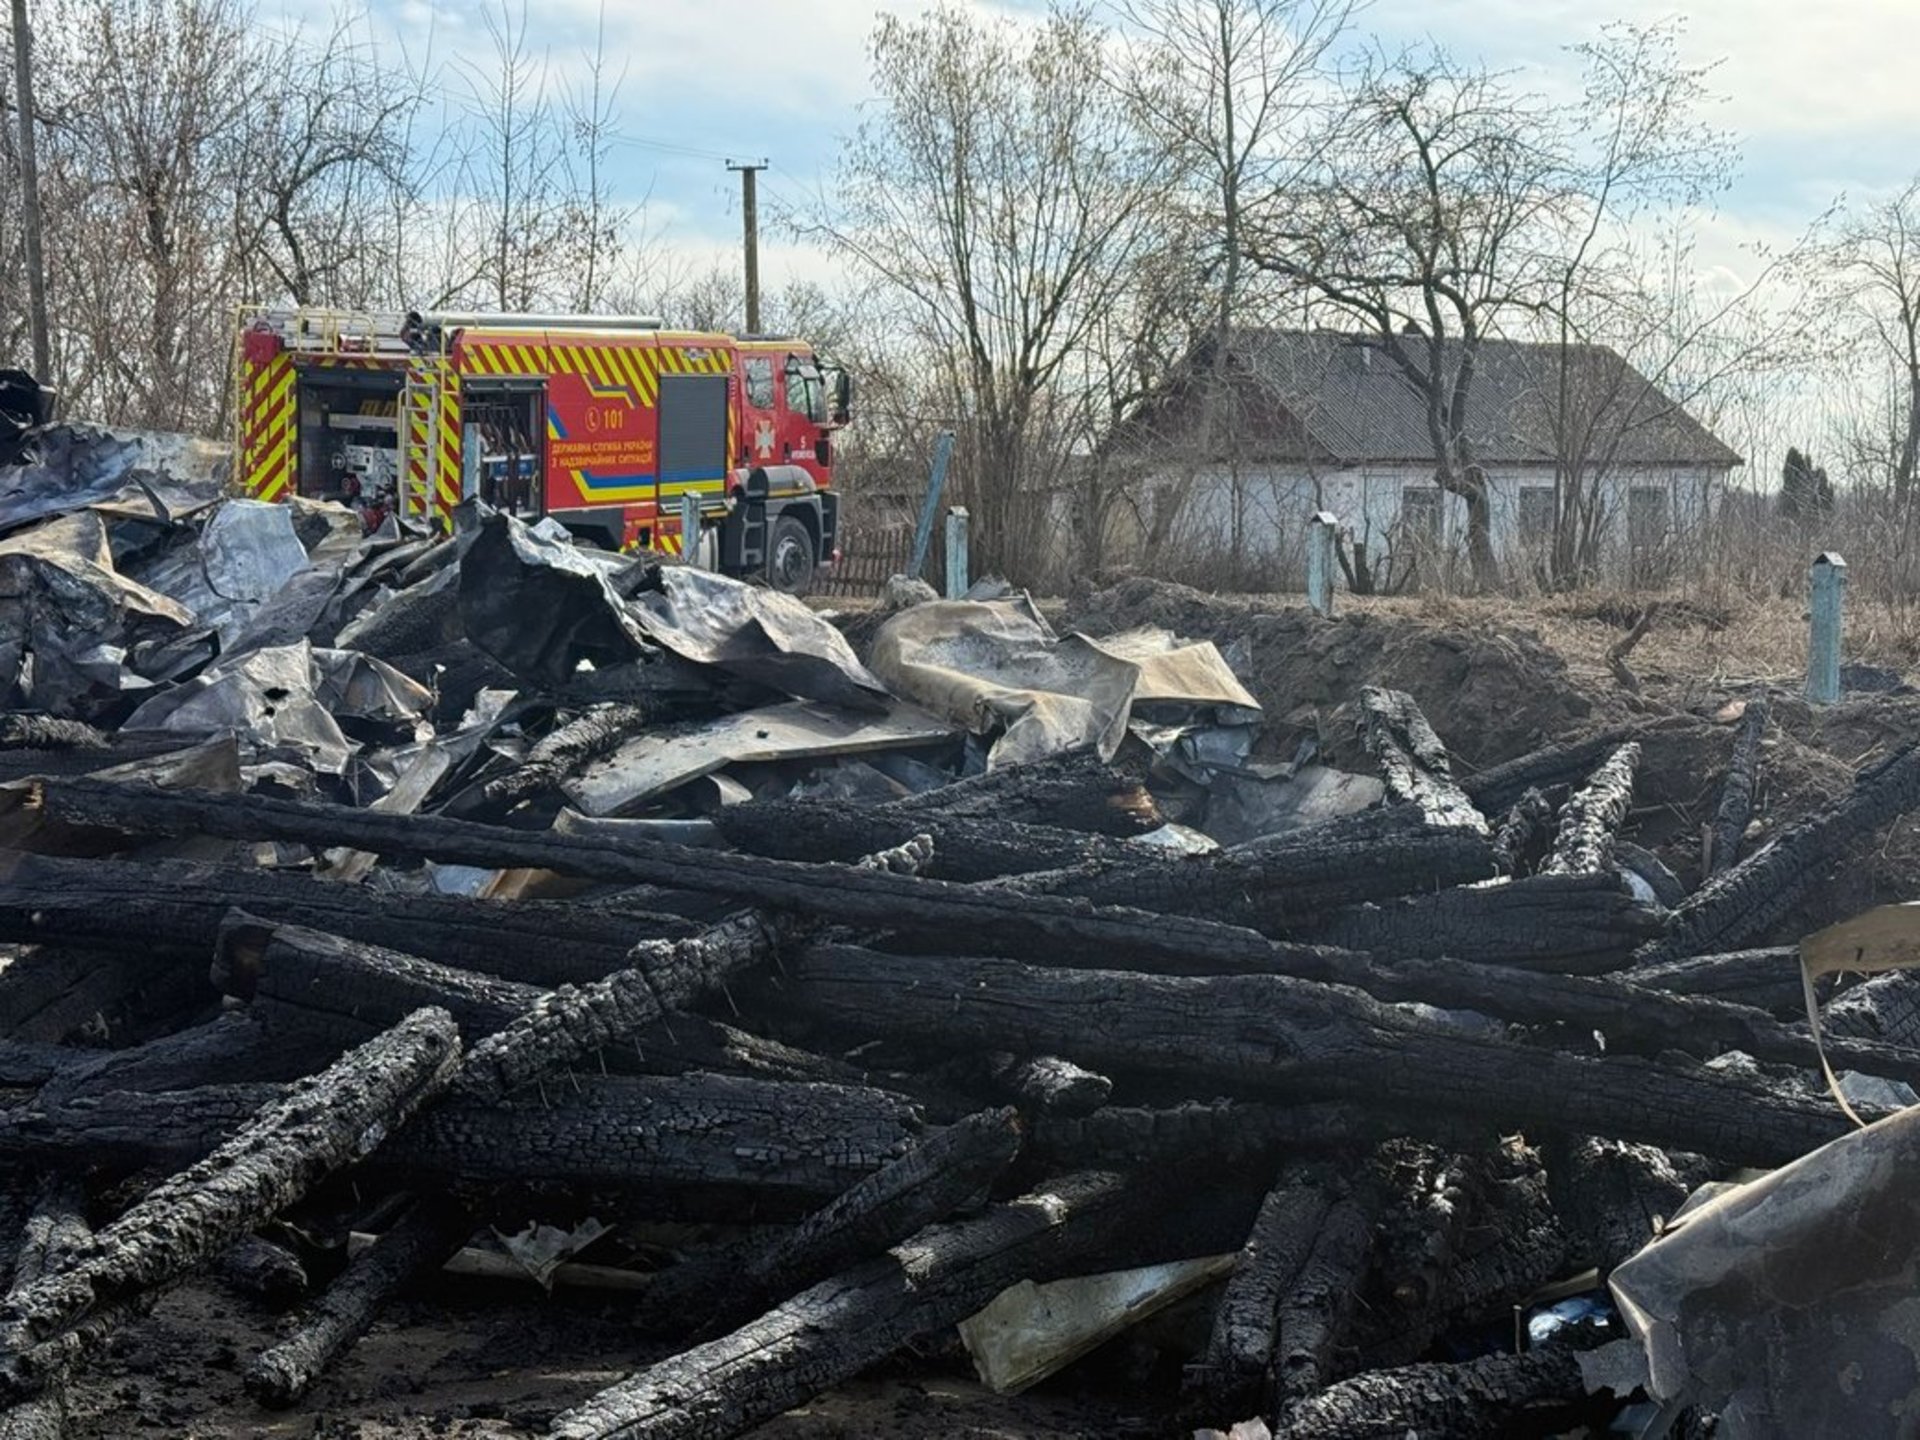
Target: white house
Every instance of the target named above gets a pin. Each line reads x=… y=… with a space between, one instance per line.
x=1325 y=420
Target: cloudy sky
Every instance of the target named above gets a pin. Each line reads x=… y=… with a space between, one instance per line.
x=1820 y=91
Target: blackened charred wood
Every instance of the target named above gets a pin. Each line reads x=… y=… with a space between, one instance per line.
x=1074 y=791
x=21 y=731
x=1728 y=828
x=232 y=1048
x=1743 y=904
x=1439 y=1402
x=564 y=1026
x=1413 y=762
x=1242 y=1134
x=52 y=993
x=1273 y=1035
x=1513 y=838
x=1612 y=1196
x=1667 y=890
x=1591 y=819
x=948 y=1172
x=553 y=758
x=31 y=1063
x=54 y=1232
x=964 y=847
x=1885 y=1009
x=263 y=1270
x=328 y=1121
x=1317 y=1306
x=1571 y=923
x=1764 y=979
x=1044 y=925
x=1557 y=767
x=174 y=908
x=841 y=1326
x=419 y=1243
x=778 y=1141
x=1234 y=1376
x=1048 y=1085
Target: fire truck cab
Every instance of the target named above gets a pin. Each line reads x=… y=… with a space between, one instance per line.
x=711 y=447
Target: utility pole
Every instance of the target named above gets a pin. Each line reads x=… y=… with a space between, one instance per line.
x=30 y=196
x=749 y=218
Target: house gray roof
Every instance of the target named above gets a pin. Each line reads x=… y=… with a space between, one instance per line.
x=1339 y=397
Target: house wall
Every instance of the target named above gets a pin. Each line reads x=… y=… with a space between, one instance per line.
x=1258 y=514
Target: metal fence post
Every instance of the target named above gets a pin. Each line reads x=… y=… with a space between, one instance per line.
x=690 y=530
x=936 y=482
x=1321 y=530
x=956 y=552
x=1827 y=584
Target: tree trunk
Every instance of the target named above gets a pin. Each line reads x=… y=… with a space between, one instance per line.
x=322 y=1124
x=1591 y=819
x=1275 y=1036
x=1729 y=828
x=1743 y=904
x=841 y=1326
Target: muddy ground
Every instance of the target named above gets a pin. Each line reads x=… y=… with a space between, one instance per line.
x=491 y=1358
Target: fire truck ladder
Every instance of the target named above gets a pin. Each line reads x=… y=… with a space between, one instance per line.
x=427 y=385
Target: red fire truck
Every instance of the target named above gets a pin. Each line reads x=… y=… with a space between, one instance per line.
x=617 y=428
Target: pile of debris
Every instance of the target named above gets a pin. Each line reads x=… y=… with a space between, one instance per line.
x=503 y=901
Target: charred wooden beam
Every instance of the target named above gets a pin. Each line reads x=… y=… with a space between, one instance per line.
x=1414 y=764
x=1612 y=1197
x=841 y=1326
x=783 y=1143
x=1317 y=1306
x=59 y=992
x=421 y=1241
x=234 y=1048
x=1048 y=1085
x=1573 y=923
x=1743 y=904
x=263 y=1270
x=1074 y=791
x=1233 y=1379
x=553 y=758
x=1439 y=1402
x=1591 y=820
x=54 y=1233
x=326 y=1122
x=1277 y=1036
x=1035 y=924
x=1513 y=837
x=1767 y=979
x=1560 y=766
x=174 y=908
x=1728 y=828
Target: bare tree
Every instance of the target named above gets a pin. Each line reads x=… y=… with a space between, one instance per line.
x=594 y=219
x=1224 y=89
x=1000 y=191
x=1425 y=223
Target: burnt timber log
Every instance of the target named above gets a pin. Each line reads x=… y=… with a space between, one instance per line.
x=1439 y=1402
x=235 y=1047
x=1074 y=791
x=1413 y=762
x=1045 y=925
x=841 y=1326
x=421 y=1241
x=1233 y=1378
x=323 y=1123
x=553 y=758
x=1591 y=819
x=1743 y=904
x=175 y=907
x=53 y=993
x=54 y=1233
x=1317 y=1306
x=1048 y=1085
x=1728 y=829
x=777 y=1141
x=262 y=1270
x=1562 y=766
x=1277 y=1036
x=1767 y=979
x=1574 y=923
x=1611 y=1196
x=1513 y=838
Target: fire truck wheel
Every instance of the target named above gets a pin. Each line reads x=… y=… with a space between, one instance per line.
x=790 y=557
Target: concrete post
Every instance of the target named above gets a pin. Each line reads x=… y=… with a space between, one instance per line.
x=1827 y=586
x=956 y=552
x=1321 y=530
x=690 y=530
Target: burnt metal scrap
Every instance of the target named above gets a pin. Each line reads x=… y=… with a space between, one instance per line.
x=344 y=890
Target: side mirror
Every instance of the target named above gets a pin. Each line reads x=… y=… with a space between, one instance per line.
x=842 y=397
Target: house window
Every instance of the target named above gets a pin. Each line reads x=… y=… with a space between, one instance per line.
x=1649 y=512
x=1420 y=515
x=1536 y=514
